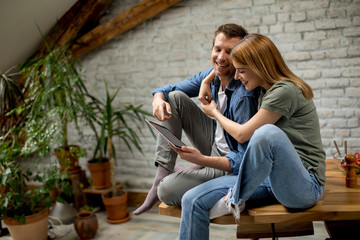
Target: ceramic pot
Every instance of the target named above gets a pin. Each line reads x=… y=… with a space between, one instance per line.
x=116 y=206
x=67 y=159
x=64 y=212
x=35 y=227
x=86 y=225
x=100 y=173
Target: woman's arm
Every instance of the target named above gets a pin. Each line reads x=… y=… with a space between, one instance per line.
x=241 y=132
x=195 y=156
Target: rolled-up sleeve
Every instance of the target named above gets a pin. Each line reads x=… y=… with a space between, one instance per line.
x=235 y=157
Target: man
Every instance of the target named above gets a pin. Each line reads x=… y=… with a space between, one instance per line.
x=173 y=106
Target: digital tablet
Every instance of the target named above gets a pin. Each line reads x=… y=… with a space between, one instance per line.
x=166 y=134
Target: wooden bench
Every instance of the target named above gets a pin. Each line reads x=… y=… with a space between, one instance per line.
x=339 y=208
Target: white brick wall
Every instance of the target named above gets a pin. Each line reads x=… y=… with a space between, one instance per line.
x=318 y=39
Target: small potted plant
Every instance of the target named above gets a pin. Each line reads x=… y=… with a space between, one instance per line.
x=114 y=122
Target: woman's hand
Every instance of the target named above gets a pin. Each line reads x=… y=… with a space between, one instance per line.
x=210 y=109
x=205 y=90
x=189 y=154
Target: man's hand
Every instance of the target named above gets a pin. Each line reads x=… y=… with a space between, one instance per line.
x=161 y=108
x=205 y=90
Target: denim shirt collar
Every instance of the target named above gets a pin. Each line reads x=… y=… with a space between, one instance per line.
x=230 y=88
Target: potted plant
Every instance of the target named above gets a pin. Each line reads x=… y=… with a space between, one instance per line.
x=114 y=121
x=27 y=194
x=58 y=97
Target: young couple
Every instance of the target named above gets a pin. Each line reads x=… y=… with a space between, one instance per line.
x=274 y=154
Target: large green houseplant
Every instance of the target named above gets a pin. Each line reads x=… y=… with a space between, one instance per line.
x=116 y=121
x=58 y=97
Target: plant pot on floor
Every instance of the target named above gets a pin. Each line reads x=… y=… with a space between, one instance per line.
x=116 y=206
x=86 y=224
x=35 y=227
x=68 y=158
x=100 y=173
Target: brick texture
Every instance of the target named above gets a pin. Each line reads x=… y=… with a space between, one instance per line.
x=318 y=39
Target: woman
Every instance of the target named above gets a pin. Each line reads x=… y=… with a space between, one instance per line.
x=284 y=149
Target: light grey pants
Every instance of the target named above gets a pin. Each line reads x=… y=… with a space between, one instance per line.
x=200 y=130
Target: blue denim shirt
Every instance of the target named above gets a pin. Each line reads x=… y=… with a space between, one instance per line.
x=241 y=106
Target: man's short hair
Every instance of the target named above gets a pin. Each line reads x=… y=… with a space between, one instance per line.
x=230 y=30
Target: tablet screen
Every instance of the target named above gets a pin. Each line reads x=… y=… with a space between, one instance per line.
x=166 y=134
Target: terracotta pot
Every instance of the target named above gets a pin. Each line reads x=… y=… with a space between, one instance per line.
x=116 y=206
x=68 y=161
x=35 y=227
x=86 y=225
x=100 y=173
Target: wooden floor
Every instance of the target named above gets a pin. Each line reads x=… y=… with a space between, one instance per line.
x=152 y=226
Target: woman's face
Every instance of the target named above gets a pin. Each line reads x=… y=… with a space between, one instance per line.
x=248 y=77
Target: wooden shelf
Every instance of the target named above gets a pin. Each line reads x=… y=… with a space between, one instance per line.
x=92 y=190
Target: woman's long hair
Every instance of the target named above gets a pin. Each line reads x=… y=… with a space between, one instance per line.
x=260 y=54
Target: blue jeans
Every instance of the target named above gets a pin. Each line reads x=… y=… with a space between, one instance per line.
x=270 y=170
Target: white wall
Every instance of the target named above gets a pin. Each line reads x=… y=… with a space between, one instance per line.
x=318 y=39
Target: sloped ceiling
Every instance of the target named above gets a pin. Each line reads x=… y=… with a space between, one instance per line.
x=20 y=21
x=24 y=24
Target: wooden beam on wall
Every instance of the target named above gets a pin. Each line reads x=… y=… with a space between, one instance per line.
x=120 y=24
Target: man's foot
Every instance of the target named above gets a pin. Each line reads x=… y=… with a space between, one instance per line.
x=224 y=207
x=152 y=198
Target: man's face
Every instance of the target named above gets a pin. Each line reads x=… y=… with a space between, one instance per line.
x=220 y=55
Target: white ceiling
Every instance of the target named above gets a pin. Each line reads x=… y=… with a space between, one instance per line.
x=19 y=34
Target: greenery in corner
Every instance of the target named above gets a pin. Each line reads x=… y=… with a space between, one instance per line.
x=54 y=95
x=33 y=120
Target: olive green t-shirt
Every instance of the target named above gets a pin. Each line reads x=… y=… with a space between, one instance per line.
x=300 y=123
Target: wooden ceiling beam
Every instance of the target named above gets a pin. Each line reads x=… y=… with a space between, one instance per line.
x=119 y=24
x=82 y=15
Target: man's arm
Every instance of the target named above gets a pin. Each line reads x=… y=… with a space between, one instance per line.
x=190 y=86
